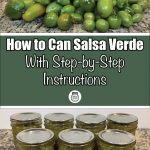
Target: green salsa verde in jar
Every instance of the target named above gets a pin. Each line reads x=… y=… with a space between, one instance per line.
x=26 y=120
x=76 y=139
x=93 y=122
x=121 y=121
x=58 y=122
x=114 y=139
x=35 y=139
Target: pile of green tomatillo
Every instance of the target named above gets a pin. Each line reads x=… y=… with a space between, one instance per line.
x=94 y=14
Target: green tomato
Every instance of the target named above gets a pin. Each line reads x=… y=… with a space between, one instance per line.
x=105 y=8
x=126 y=18
x=143 y=4
x=76 y=3
x=129 y=10
x=87 y=5
x=76 y=18
x=54 y=7
x=43 y=2
x=63 y=2
x=136 y=8
x=50 y=19
x=28 y=3
x=102 y=25
x=33 y=12
x=14 y=9
x=137 y=18
x=89 y=15
x=79 y=11
x=64 y=22
x=122 y=3
x=68 y=9
x=114 y=2
x=89 y=25
x=114 y=22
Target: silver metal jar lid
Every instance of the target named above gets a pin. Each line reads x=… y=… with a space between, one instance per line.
x=91 y=118
x=59 y=117
x=117 y=137
x=122 y=118
x=26 y=116
x=76 y=136
x=35 y=136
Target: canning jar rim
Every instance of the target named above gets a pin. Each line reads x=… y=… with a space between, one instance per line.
x=70 y=117
x=109 y=118
x=71 y=143
x=32 y=129
x=117 y=130
x=90 y=123
x=37 y=117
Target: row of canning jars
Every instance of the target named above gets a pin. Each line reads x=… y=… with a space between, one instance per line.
x=90 y=132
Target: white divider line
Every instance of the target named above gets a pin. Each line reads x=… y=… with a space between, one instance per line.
x=75 y=34
x=71 y=107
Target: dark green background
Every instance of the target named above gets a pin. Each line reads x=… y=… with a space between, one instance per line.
x=21 y=86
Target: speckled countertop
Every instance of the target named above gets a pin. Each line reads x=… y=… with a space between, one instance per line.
x=142 y=137
x=19 y=26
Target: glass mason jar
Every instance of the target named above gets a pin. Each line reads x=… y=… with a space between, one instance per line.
x=35 y=139
x=114 y=139
x=93 y=122
x=22 y=121
x=121 y=121
x=76 y=139
x=58 y=122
